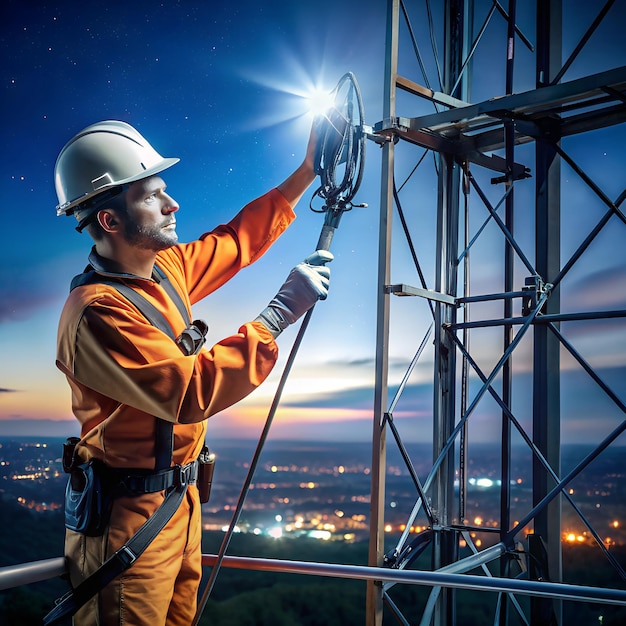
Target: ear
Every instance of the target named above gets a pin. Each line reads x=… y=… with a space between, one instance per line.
x=108 y=220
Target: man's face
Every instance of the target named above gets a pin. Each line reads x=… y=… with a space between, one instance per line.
x=149 y=221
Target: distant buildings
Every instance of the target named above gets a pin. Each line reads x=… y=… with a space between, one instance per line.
x=323 y=491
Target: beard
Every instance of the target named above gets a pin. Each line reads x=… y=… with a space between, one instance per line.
x=154 y=238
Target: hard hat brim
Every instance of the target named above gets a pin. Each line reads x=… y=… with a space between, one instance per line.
x=69 y=207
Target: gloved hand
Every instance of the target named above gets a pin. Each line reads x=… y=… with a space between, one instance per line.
x=306 y=284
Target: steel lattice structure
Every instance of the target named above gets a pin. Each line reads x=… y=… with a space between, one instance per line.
x=495 y=266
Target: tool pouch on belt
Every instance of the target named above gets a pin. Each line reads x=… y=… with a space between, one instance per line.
x=206 y=465
x=87 y=499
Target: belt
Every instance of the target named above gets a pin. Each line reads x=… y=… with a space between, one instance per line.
x=120 y=561
x=136 y=482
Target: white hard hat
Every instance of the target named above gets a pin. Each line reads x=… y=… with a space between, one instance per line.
x=101 y=157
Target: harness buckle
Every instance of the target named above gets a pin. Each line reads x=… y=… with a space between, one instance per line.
x=126 y=556
x=185 y=474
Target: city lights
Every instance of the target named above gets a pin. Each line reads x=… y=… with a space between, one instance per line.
x=276 y=532
x=314 y=497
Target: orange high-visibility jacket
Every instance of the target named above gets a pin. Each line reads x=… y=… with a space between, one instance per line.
x=124 y=372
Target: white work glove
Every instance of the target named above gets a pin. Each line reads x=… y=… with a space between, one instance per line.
x=306 y=284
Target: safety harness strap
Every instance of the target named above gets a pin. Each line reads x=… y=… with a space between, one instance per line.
x=121 y=560
x=164 y=475
x=138 y=482
x=147 y=309
x=164 y=435
x=159 y=275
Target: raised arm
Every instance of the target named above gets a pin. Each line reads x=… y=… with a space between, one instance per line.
x=294 y=186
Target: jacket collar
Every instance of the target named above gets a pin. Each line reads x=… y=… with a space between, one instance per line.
x=104 y=267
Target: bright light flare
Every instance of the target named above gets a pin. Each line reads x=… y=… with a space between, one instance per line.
x=319 y=102
x=297 y=95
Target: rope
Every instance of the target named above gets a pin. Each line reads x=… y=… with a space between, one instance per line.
x=341 y=142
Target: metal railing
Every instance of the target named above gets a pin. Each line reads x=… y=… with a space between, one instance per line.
x=12 y=576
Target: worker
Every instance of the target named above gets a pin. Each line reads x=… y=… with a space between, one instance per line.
x=128 y=378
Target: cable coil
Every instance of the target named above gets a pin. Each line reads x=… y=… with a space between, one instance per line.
x=341 y=143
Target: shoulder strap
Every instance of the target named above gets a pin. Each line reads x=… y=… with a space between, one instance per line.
x=171 y=291
x=147 y=309
x=164 y=433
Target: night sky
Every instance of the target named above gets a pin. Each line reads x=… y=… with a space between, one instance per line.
x=221 y=87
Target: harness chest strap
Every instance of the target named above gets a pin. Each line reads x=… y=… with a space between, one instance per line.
x=164 y=439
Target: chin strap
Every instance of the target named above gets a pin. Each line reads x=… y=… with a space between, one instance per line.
x=91 y=207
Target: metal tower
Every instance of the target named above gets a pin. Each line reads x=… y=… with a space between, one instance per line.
x=502 y=187
x=502 y=292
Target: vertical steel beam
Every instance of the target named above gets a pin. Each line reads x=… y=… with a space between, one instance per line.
x=374 y=601
x=445 y=542
x=546 y=368
x=507 y=369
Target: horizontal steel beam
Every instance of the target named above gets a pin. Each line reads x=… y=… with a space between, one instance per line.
x=563 y=591
x=407 y=290
x=36 y=571
x=26 y=573
x=471 y=130
x=528 y=102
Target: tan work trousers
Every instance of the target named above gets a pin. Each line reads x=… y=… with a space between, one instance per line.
x=161 y=587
